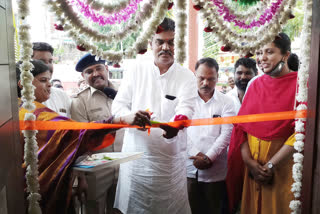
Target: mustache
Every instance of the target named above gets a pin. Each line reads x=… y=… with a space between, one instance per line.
x=242 y=81
x=242 y=84
x=165 y=52
x=97 y=77
x=205 y=88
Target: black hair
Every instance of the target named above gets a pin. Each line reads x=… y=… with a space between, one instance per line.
x=210 y=62
x=167 y=24
x=248 y=63
x=293 y=62
x=55 y=80
x=42 y=46
x=38 y=68
x=283 y=42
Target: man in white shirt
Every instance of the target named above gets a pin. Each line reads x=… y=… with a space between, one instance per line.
x=156 y=183
x=245 y=70
x=59 y=101
x=207 y=145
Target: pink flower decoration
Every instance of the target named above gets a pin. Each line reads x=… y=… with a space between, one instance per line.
x=116 y=18
x=265 y=17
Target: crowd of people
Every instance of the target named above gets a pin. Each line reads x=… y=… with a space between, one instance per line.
x=227 y=168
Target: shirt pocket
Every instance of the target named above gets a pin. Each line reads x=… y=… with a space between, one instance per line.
x=168 y=108
x=215 y=130
x=96 y=114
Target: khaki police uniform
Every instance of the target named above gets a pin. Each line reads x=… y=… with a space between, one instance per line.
x=93 y=105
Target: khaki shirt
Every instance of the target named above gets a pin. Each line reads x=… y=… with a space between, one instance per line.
x=93 y=105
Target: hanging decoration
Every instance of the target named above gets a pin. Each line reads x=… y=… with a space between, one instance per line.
x=246 y=12
x=250 y=40
x=31 y=145
x=262 y=19
x=84 y=43
x=180 y=31
x=108 y=8
x=70 y=21
x=121 y=16
x=302 y=98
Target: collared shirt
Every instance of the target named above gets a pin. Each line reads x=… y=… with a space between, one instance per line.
x=59 y=102
x=211 y=140
x=150 y=184
x=235 y=97
x=93 y=105
x=177 y=82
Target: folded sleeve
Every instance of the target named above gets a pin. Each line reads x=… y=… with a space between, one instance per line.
x=290 y=141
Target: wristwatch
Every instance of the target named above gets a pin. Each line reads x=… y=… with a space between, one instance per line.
x=270 y=165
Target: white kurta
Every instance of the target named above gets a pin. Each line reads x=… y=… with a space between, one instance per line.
x=156 y=183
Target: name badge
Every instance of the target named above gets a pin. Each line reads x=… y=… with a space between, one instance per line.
x=63 y=110
x=95 y=110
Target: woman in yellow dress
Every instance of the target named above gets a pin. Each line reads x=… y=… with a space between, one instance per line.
x=266 y=148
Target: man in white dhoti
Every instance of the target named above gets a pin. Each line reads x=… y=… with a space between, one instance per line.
x=156 y=183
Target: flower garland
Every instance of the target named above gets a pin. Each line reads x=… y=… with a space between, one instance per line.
x=108 y=8
x=266 y=16
x=243 y=12
x=65 y=14
x=121 y=16
x=249 y=42
x=180 y=31
x=139 y=46
x=77 y=28
x=250 y=35
x=302 y=96
x=30 y=146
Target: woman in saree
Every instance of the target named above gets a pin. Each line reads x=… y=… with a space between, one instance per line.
x=260 y=153
x=58 y=149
